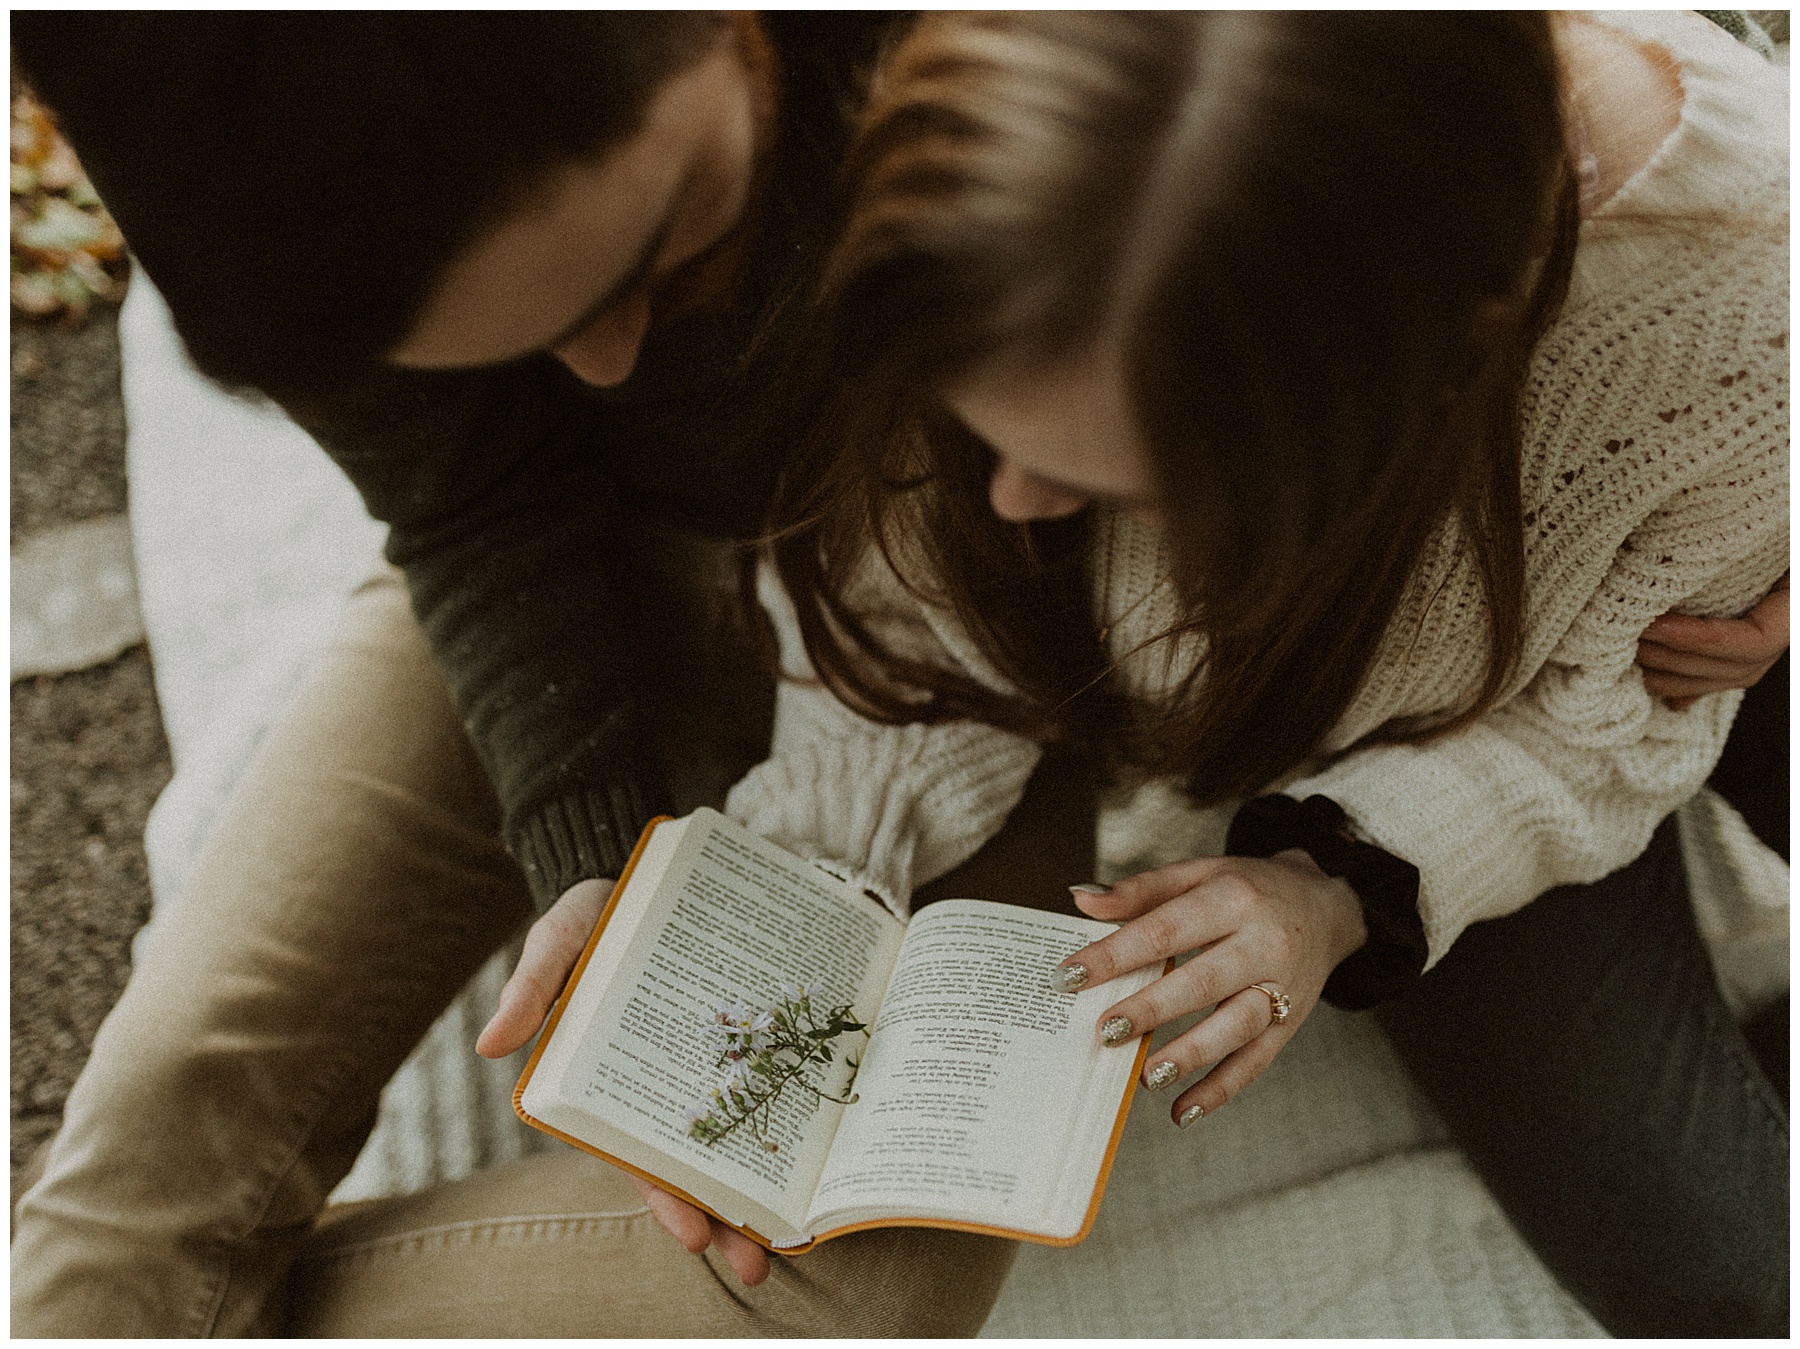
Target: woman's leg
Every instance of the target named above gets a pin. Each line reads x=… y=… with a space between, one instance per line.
x=1752 y=774
x=354 y=884
x=561 y=1245
x=1582 y=1055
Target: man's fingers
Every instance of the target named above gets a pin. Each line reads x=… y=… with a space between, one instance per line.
x=552 y=947
x=684 y=1222
x=748 y=1261
x=695 y=1230
x=1758 y=638
x=1671 y=687
x=1730 y=672
x=525 y=1000
x=522 y=1010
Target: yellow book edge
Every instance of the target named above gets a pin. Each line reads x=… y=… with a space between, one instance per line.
x=982 y=1229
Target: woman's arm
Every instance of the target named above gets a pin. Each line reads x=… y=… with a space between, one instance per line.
x=1564 y=782
x=887 y=807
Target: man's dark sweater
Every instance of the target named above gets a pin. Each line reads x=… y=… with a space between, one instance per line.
x=502 y=488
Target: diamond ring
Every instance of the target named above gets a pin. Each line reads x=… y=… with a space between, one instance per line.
x=1279 y=1006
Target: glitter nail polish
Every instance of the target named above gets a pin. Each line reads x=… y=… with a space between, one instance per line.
x=1161 y=1075
x=1192 y=1115
x=1068 y=978
x=1115 y=1031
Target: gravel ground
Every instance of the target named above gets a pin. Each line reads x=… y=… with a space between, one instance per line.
x=88 y=754
x=68 y=423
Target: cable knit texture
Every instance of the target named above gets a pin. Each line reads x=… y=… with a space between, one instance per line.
x=1654 y=477
x=885 y=807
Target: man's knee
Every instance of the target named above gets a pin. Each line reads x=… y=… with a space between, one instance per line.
x=894 y=1282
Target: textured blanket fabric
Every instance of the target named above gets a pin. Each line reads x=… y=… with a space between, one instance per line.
x=1326 y=1201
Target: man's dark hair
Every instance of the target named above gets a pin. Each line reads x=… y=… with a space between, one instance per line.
x=294 y=182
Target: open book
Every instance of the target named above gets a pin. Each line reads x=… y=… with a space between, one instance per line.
x=983 y=1099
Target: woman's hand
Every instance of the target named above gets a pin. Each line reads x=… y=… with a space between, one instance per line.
x=1278 y=921
x=1685 y=657
x=552 y=947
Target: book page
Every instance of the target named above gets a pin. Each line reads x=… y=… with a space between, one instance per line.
x=969 y=1094
x=734 y=919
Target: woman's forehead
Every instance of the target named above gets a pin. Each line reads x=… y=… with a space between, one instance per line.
x=1070 y=421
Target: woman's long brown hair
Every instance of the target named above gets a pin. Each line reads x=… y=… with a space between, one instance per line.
x=1324 y=244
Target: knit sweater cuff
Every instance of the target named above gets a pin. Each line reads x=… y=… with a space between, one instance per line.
x=885 y=808
x=1387 y=887
x=586 y=835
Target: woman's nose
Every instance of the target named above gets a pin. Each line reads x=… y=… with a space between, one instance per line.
x=1018 y=495
x=604 y=352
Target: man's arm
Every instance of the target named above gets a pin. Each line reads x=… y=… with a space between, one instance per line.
x=1685 y=657
x=502 y=507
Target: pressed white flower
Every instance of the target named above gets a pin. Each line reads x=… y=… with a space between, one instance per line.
x=727 y=1022
x=762 y=1054
x=757 y=1036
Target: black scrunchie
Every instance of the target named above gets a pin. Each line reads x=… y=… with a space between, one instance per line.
x=1392 y=959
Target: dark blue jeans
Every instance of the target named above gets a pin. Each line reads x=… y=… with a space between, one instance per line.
x=1582 y=1055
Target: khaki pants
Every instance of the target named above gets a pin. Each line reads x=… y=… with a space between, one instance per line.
x=353 y=886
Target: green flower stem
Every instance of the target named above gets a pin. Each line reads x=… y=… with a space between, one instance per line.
x=752 y=1103
x=761 y=1104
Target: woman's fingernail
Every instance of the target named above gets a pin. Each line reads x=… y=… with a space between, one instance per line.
x=1091 y=888
x=1068 y=978
x=1115 y=1031
x=1193 y=1114
x=1161 y=1075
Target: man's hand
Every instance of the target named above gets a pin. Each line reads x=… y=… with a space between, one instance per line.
x=697 y=1230
x=1685 y=657
x=552 y=947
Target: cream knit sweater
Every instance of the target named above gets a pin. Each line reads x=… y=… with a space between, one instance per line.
x=1654 y=478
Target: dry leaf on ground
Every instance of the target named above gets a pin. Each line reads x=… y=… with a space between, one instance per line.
x=66 y=252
